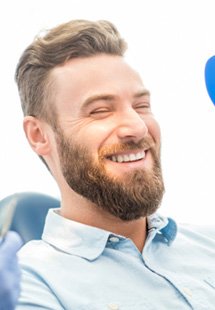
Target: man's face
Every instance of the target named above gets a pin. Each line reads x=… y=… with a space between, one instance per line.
x=107 y=139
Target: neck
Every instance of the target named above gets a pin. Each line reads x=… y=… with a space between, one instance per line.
x=79 y=209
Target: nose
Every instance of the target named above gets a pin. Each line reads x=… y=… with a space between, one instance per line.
x=131 y=126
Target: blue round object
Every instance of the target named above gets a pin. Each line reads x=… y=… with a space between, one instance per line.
x=210 y=78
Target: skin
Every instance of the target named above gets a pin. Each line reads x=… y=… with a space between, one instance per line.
x=100 y=101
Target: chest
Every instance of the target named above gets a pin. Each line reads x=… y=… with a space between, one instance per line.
x=118 y=280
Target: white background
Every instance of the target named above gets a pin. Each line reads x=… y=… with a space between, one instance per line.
x=169 y=42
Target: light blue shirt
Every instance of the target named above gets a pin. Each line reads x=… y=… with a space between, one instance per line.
x=80 y=267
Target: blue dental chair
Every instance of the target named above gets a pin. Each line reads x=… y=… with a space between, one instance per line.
x=30 y=212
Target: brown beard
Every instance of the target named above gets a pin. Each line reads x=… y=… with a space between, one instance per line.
x=139 y=194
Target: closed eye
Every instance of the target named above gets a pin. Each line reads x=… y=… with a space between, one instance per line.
x=97 y=111
x=142 y=107
x=100 y=113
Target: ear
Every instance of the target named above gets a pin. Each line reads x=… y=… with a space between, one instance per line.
x=37 y=134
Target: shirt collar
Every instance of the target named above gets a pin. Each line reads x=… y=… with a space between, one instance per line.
x=164 y=226
x=89 y=242
x=74 y=237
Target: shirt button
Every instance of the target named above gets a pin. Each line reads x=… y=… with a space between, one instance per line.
x=187 y=291
x=115 y=240
x=113 y=306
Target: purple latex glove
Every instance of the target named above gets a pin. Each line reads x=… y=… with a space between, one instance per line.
x=9 y=271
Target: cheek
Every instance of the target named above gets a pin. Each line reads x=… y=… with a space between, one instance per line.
x=154 y=130
x=94 y=134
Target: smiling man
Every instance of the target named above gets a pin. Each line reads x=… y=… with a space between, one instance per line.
x=107 y=140
x=87 y=114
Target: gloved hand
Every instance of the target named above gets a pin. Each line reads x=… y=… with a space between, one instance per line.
x=9 y=271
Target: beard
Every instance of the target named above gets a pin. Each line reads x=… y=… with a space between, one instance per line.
x=137 y=194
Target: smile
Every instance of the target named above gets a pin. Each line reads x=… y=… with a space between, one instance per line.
x=121 y=158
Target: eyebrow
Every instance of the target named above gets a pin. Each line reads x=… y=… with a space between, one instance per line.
x=107 y=97
x=144 y=92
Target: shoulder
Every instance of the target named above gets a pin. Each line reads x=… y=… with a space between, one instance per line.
x=36 y=263
x=201 y=237
x=35 y=249
x=35 y=256
x=197 y=231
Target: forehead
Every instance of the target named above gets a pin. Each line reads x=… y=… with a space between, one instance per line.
x=81 y=78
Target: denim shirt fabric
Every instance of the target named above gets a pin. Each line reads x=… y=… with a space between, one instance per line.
x=80 y=267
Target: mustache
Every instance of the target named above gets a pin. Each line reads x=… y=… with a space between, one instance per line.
x=143 y=144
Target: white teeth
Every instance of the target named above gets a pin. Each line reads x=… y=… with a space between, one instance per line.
x=139 y=155
x=132 y=157
x=119 y=158
x=113 y=158
x=127 y=158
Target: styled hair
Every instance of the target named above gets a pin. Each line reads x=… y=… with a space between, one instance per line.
x=74 y=39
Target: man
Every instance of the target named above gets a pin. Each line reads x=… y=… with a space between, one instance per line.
x=88 y=116
x=9 y=271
